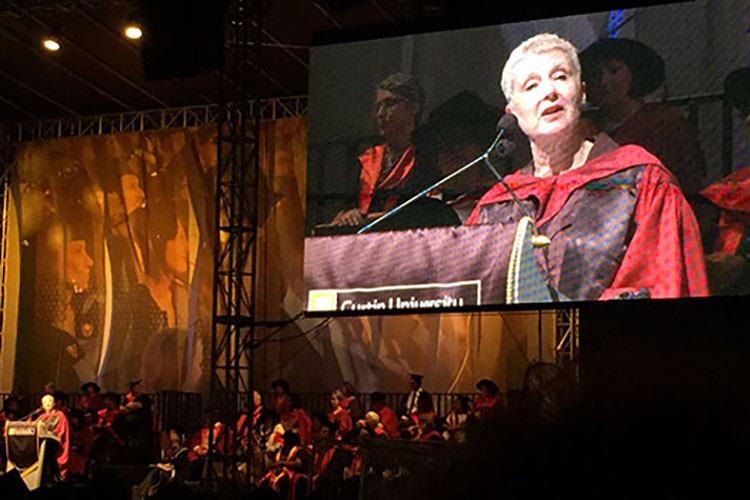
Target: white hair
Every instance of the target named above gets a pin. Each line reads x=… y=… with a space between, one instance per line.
x=538 y=44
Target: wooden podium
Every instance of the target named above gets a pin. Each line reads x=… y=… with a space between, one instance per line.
x=26 y=445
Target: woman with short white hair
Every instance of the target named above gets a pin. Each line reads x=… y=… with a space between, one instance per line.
x=618 y=224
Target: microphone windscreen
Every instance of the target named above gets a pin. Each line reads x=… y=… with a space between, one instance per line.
x=507 y=121
x=503 y=149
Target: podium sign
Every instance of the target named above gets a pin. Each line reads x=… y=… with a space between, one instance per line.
x=437 y=268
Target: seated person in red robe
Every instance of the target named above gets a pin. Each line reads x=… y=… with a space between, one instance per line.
x=302 y=422
x=340 y=415
x=287 y=476
x=245 y=423
x=728 y=265
x=488 y=404
x=388 y=417
x=391 y=172
x=350 y=401
x=91 y=399
x=323 y=444
x=425 y=413
x=58 y=422
x=281 y=401
x=616 y=222
x=371 y=427
x=619 y=73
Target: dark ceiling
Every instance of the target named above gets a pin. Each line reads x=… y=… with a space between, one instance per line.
x=98 y=71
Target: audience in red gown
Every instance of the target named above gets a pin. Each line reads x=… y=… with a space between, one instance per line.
x=91 y=400
x=339 y=415
x=488 y=403
x=281 y=401
x=287 y=446
x=388 y=417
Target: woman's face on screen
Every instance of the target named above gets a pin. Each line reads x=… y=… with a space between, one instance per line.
x=394 y=114
x=546 y=95
x=611 y=84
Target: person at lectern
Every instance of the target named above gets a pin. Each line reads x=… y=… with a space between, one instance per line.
x=392 y=172
x=618 y=223
x=58 y=422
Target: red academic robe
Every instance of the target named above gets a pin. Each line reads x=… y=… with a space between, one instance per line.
x=372 y=164
x=280 y=404
x=341 y=418
x=304 y=426
x=732 y=195
x=62 y=430
x=485 y=406
x=389 y=419
x=661 y=130
x=87 y=403
x=106 y=416
x=664 y=255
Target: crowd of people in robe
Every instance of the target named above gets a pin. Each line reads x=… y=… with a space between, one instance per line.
x=298 y=452
x=293 y=452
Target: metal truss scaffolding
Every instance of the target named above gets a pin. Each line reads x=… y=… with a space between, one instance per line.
x=236 y=221
x=567 y=325
x=206 y=115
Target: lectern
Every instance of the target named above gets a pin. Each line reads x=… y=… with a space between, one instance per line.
x=27 y=444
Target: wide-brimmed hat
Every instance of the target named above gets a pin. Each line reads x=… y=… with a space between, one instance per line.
x=492 y=386
x=280 y=383
x=416 y=377
x=91 y=384
x=645 y=65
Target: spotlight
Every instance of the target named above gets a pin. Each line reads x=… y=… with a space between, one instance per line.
x=133 y=31
x=51 y=43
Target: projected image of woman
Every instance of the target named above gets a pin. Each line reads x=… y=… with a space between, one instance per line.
x=393 y=171
x=619 y=225
x=68 y=304
x=134 y=316
x=167 y=282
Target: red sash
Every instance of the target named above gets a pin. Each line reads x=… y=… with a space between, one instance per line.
x=372 y=164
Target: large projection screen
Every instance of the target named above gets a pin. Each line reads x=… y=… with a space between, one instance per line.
x=654 y=210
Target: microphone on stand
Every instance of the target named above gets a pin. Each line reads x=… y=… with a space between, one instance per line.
x=33 y=414
x=507 y=122
x=499 y=148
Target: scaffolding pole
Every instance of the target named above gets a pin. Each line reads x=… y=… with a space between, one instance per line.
x=236 y=223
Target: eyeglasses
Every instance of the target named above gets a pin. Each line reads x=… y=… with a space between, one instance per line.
x=388 y=103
